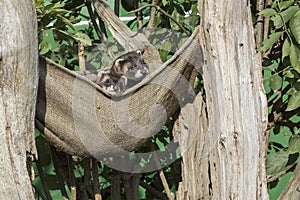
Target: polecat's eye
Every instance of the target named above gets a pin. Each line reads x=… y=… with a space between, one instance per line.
x=139 y=51
x=132 y=67
x=107 y=82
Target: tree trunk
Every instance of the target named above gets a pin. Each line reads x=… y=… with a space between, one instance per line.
x=18 y=90
x=226 y=159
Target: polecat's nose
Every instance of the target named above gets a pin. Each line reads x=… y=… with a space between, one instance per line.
x=145 y=71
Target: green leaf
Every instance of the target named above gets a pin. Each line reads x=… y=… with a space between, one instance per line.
x=182 y=41
x=268 y=43
x=294 y=101
x=295 y=26
x=164 y=2
x=294 y=55
x=288 y=74
x=165 y=49
x=297 y=67
x=58 y=5
x=39 y=3
x=166 y=46
x=83 y=38
x=267 y=12
x=294 y=145
x=283 y=17
x=79 y=37
x=275 y=82
x=63 y=11
x=44 y=150
x=286 y=48
x=45 y=47
x=66 y=21
x=285 y=4
x=277 y=162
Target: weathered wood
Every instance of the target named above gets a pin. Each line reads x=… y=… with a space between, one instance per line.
x=292 y=190
x=190 y=131
x=18 y=90
x=228 y=160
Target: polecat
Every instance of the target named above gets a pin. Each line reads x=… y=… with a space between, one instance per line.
x=126 y=71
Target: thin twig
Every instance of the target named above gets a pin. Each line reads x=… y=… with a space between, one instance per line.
x=152 y=14
x=165 y=184
x=39 y=193
x=43 y=179
x=153 y=190
x=97 y=191
x=163 y=12
x=293 y=185
x=266 y=21
x=93 y=19
x=81 y=58
x=266 y=29
x=87 y=175
x=78 y=7
x=103 y=30
x=72 y=177
x=275 y=176
x=117 y=7
x=59 y=175
x=139 y=15
x=115 y=185
x=259 y=23
x=161 y=174
x=131 y=185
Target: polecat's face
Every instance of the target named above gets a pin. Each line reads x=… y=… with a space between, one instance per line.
x=131 y=65
x=106 y=81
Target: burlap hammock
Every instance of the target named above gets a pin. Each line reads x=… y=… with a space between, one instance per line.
x=79 y=117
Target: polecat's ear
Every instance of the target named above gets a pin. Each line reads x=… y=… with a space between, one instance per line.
x=119 y=61
x=140 y=51
x=99 y=77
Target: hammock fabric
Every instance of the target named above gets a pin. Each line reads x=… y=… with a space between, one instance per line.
x=80 y=118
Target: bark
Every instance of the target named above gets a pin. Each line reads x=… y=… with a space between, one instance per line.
x=18 y=90
x=226 y=161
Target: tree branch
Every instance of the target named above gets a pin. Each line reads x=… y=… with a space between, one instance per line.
x=161 y=174
x=115 y=185
x=163 y=12
x=259 y=23
x=152 y=14
x=117 y=7
x=81 y=58
x=275 y=176
x=266 y=21
x=97 y=192
x=59 y=175
x=139 y=15
x=153 y=190
x=43 y=179
x=87 y=176
x=93 y=19
x=292 y=189
x=72 y=177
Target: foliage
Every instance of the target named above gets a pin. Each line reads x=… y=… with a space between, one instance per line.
x=281 y=64
x=59 y=36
